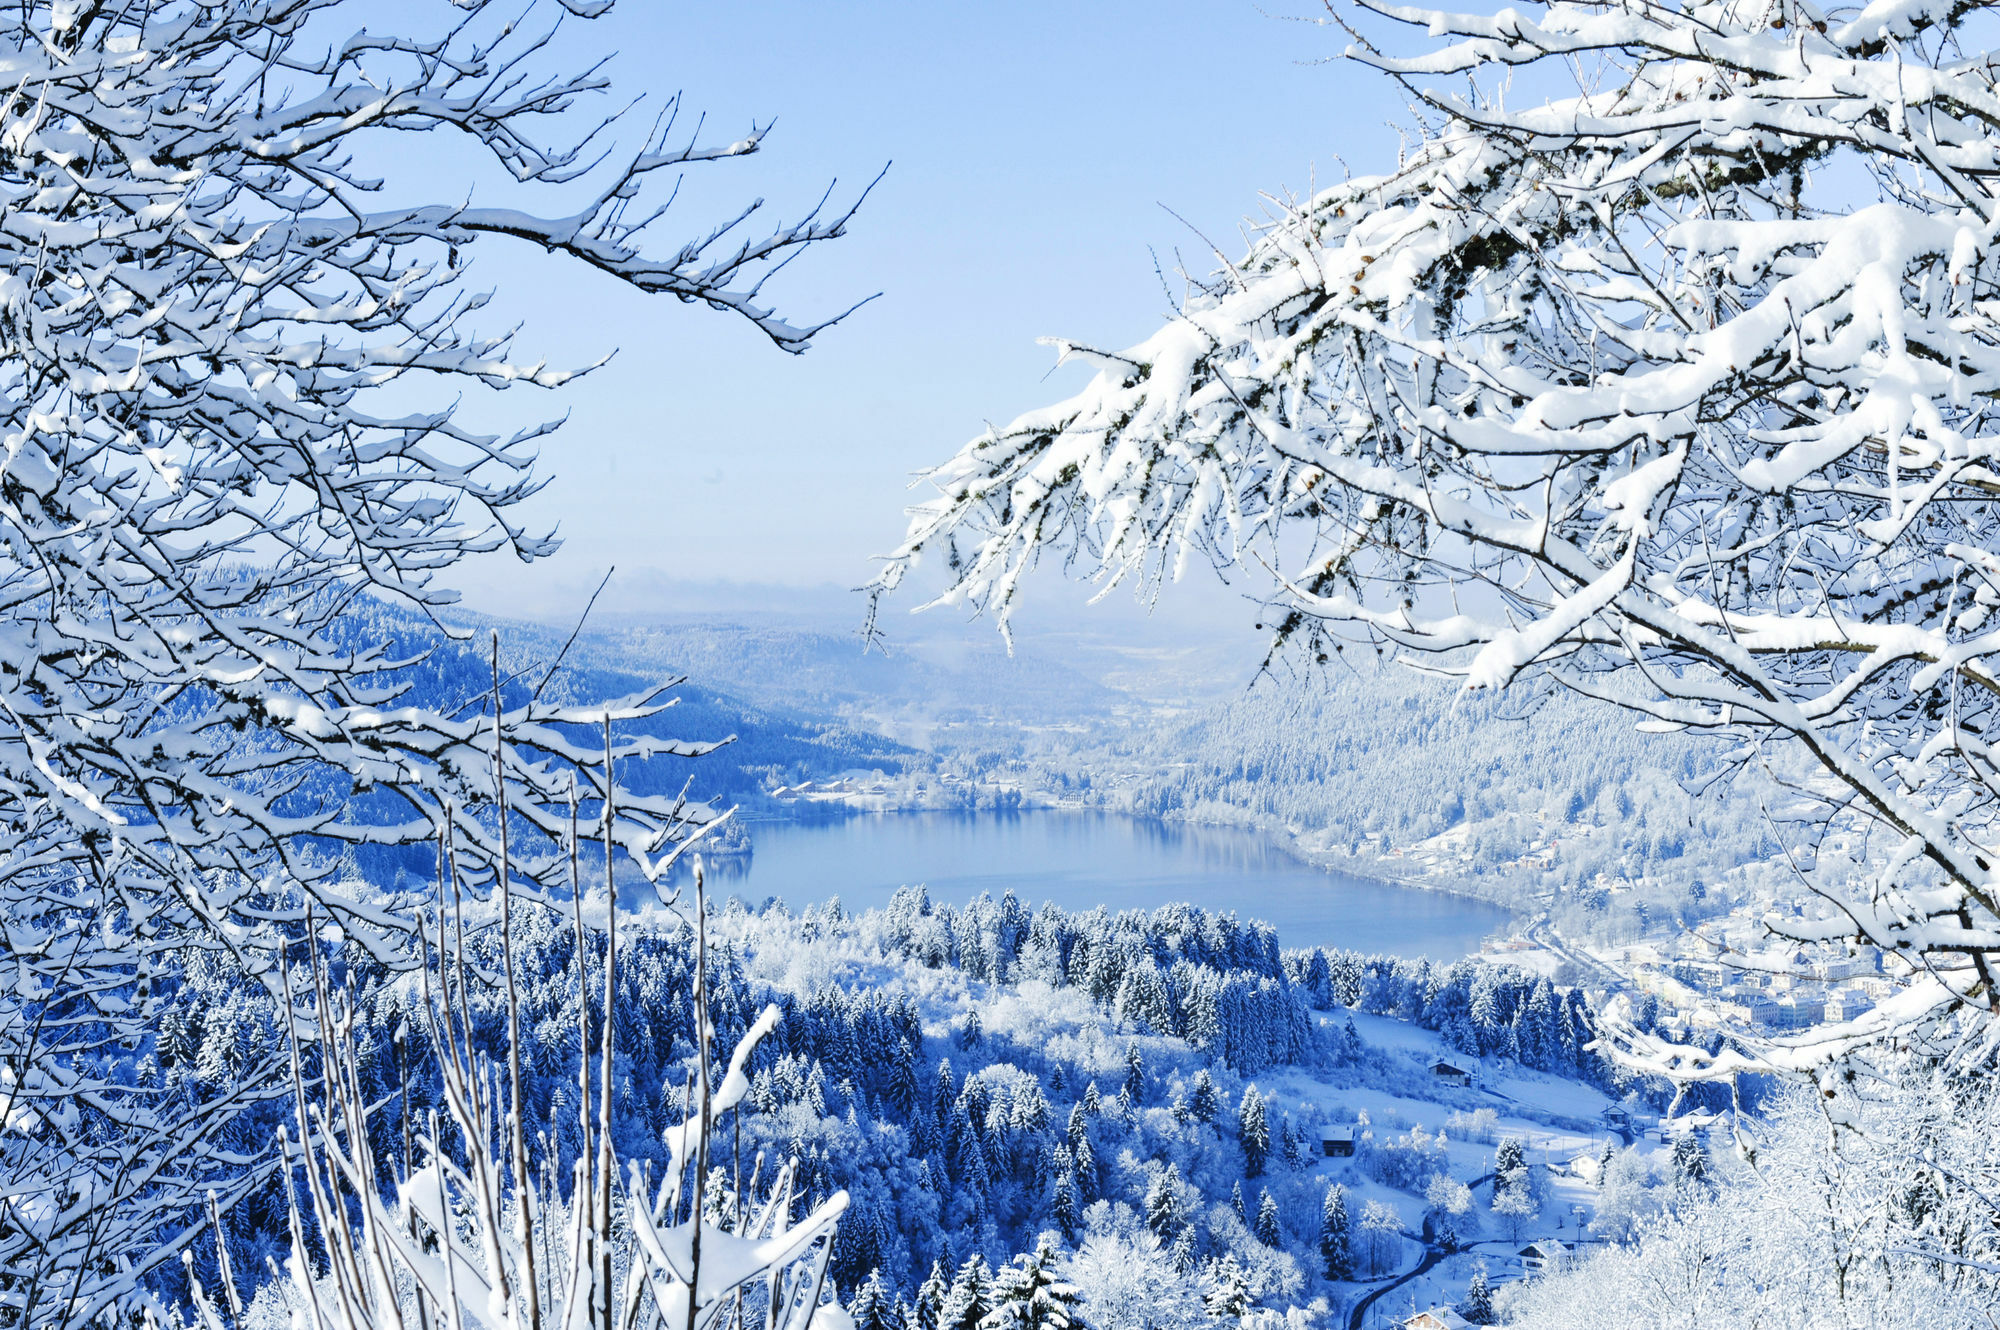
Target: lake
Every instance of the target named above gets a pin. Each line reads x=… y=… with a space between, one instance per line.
x=1082 y=860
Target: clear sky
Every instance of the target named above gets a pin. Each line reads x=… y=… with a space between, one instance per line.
x=1033 y=145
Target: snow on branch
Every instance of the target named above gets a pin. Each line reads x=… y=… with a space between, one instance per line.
x=1637 y=389
x=213 y=326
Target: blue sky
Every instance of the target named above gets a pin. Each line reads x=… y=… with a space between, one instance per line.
x=1033 y=147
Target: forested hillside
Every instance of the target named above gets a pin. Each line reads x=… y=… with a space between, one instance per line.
x=1149 y=1088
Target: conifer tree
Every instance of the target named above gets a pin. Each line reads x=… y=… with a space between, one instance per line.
x=1078 y=1126
x=1029 y=1294
x=1207 y=1102
x=1135 y=1075
x=1086 y=1170
x=1093 y=1103
x=931 y=1296
x=903 y=1090
x=1227 y=1297
x=1182 y=1256
x=1336 y=1235
x=1296 y=1154
x=944 y=1092
x=1478 y=1304
x=1062 y=1206
x=873 y=1305
x=1267 y=1229
x=1690 y=1161
x=1236 y=1202
x=1163 y=1202
x=968 y=1300
x=1253 y=1132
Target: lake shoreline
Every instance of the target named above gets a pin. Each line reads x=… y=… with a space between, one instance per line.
x=1288 y=841
x=1081 y=857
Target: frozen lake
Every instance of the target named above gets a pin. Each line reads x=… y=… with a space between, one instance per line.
x=1083 y=860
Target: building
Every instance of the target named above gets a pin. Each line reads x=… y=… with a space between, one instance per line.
x=1336 y=1142
x=1844 y=1004
x=1451 y=1073
x=1437 y=1318
x=1588 y=1165
x=1546 y=1256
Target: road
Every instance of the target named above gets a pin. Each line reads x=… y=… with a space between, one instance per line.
x=1432 y=1255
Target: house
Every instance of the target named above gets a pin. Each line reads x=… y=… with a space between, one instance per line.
x=1587 y=1166
x=1451 y=1073
x=1546 y=1256
x=1437 y=1318
x=1618 y=1118
x=1336 y=1142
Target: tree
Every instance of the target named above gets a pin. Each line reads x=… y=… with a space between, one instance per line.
x=1732 y=480
x=230 y=366
x=1062 y=1202
x=1206 y=1105
x=1381 y=1226
x=1478 y=1304
x=1690 y=1161
x=1135 y=1074
x=1336 y=1242
x=1510 y=1164
x=1267 y=1230
x=1163 y=1202
x=931 y=1295
x=1446 y=1200
x=1029 y=1294
x=969 y=1299
x=873 y=1306
x=1253 y=1132
x=1130 y=1282
x=1516 y=1208
x=1182 y=1254
x=1227 y=1296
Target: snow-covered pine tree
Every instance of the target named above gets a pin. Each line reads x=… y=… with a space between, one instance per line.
x=1685 y=369
x=1267 y=1229
x=1477 y=1305
x=1226 y=1295
x=1135 y=1073
x=236 y=328
x=931 y=1295
x=1182 y=1255
x=1162 y=1203
x=1253 y=1132
x=1336 y=1235
x=1206 y=1103
x=1086 y=1170
x=873 y=1306
x=969 y=1299
x=1062 y=1197
x=1030 y=1294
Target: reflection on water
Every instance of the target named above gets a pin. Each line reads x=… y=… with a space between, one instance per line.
x=1083 y=860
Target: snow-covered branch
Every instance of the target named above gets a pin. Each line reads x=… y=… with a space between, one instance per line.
x=1679 y=389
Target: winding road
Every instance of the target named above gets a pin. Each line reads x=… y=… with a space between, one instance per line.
x=1432 y=1255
